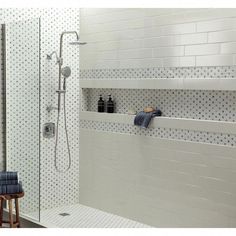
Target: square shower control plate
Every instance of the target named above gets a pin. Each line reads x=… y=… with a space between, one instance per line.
x=49 y=130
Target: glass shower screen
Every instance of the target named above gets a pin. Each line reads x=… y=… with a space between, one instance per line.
x=22 y=89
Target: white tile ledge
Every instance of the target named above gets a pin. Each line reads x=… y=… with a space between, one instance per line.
x=162 y=83
x=164 y=122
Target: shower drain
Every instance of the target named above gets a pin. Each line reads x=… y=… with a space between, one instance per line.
x=64 y=214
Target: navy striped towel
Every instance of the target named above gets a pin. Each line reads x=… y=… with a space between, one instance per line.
x=11 y=188
x=4 y=182
x=143 y=119
x=8 y=175
x=9 y=178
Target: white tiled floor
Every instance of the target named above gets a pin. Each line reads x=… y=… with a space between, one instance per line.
x=85 y=217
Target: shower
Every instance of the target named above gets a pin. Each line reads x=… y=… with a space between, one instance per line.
x=65 y=72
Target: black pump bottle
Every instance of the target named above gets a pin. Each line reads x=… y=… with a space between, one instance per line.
x=110 y=105
x=101 y=104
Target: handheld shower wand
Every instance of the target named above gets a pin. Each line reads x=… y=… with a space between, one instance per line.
x=66 y=72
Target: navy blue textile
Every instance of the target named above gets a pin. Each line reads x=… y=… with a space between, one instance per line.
x=8 y=175
x=143 y=119
x=9 y=183
x=4 y=182
x=11 y=188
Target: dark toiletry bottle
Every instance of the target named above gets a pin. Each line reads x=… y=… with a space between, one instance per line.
x=101 y=105
x=110 y=105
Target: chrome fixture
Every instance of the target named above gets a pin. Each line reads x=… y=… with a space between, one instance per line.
x=49 y=130
x=77 y=43
x=65 y=72
x=49 y=57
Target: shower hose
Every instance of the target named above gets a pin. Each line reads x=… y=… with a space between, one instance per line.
x=57 y=136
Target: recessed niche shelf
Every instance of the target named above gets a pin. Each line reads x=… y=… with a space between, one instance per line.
x=162 y=83
x=205 y=125
x=164 y=122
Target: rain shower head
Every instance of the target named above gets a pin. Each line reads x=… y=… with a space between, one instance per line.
x=77 y=43
x=66 y=71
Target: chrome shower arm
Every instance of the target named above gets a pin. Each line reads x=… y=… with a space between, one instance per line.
x=61 y=39
x=49 y=57
x=61 y=62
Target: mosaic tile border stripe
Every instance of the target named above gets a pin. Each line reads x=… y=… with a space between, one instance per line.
x=166 y=133
x=158 y=72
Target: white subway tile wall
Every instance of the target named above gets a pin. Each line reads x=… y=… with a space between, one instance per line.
x=216 y=25
x=206 y=49
x=160 y=37
x=168 y=51
x=160 y=182
x=217 y=60
x=226 y=48
x=188 y=43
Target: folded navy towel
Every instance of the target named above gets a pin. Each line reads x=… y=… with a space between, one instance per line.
x=143 y=119
x=4 y=182
x=8 y=175
x=11 y=189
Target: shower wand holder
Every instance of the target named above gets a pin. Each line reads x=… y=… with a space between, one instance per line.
x=60 y=61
